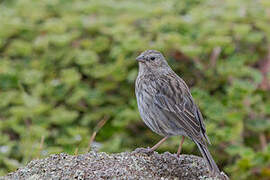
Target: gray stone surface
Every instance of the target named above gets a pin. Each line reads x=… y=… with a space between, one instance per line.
x=126 y=165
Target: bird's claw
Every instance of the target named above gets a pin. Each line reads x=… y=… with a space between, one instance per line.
x=147 y=151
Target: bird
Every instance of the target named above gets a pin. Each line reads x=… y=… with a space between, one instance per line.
x=167 y=107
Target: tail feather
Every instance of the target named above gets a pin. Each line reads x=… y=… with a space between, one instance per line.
x=207 y=156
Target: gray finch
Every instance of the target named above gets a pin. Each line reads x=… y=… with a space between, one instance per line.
x=166 y=105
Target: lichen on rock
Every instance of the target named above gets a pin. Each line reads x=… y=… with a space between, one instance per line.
x=126 y=165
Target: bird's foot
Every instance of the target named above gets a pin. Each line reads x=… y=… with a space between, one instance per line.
x=147 y=151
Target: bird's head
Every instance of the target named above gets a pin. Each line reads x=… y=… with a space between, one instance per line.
x=151 y=60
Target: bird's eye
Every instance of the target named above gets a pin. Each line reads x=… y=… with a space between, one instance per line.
x=152 y=58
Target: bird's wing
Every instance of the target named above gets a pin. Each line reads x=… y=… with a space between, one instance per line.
x=175 y=100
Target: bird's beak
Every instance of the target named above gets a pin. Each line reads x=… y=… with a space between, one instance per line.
x=140 y=58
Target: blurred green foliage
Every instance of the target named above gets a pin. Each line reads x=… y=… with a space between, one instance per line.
x=66 y=65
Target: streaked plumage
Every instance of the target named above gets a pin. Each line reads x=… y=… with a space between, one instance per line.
x=166 y=105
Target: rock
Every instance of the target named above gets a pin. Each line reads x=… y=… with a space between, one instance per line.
x=126 y=165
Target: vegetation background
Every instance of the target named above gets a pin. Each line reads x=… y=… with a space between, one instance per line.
x=67 y=65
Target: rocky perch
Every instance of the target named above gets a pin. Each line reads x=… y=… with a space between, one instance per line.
x=126 y=165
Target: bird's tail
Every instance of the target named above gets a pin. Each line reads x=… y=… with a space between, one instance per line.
x=208 y=158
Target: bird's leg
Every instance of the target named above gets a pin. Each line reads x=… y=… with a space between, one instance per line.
x=180 y=146
x=149 y=151
x=158 y=144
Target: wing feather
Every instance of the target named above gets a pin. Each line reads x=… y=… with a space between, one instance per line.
x=180 y=106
